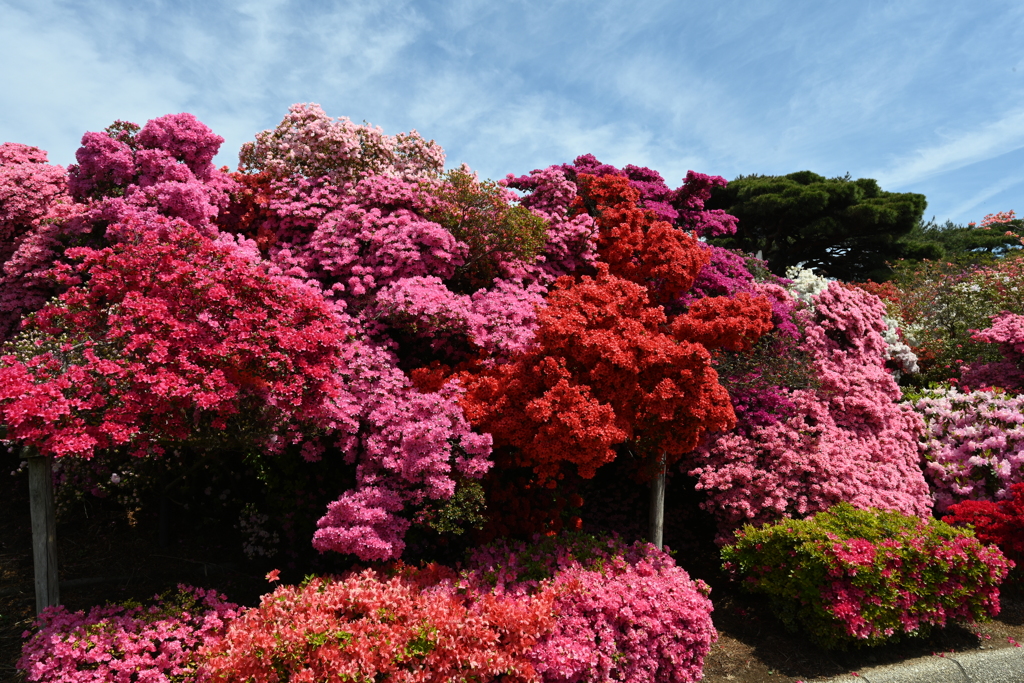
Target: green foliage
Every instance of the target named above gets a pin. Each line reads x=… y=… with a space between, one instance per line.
x=843 y=228
x=772 y=362
x=962 y=245
x=463 y=511
x=941 y=303
x=867 y=576
x=479 y=213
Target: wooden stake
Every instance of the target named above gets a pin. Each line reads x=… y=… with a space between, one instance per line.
x=657 y=512
x=44 y=529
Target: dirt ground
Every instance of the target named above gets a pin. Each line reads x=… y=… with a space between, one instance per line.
x=105 y=557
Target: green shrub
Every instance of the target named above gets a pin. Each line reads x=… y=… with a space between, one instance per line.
x=868 y=576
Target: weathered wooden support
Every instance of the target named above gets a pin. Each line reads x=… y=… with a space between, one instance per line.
x=656 y=533
x=44 y=529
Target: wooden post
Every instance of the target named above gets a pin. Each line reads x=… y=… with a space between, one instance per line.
x=657 y=512
x=44 y=529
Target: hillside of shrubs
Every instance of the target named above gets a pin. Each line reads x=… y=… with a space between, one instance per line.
x=426 y=405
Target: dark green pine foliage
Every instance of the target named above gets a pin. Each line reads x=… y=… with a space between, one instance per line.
x=970 y=244
x=843 y=228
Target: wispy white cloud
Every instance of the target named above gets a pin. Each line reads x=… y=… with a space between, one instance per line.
x=958 y=149
x=906 y=92
x=967 y=206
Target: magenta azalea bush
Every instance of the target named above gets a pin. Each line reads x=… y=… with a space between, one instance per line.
x=127 y=643
x=849 y=576
x=973 y=445
x=625 y=612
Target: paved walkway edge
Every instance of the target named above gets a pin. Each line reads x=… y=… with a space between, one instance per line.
x=1005 y=665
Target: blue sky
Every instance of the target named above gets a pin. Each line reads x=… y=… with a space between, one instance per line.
x=923 y=96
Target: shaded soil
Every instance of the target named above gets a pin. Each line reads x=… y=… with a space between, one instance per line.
x=98 y=541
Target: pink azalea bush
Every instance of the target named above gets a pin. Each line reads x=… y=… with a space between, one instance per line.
x=849 y=576
x=170 y=331
x=1007 y=331
x=33 y=197
x=848 y=439
x=411 y=626
x=973 y=444
x=625 y=612
x=124 y=643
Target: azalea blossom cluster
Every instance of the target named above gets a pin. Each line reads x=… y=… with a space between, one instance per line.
x=568 y=609
x=411 y=626
x=999 y=522
x=608 y=366
x=941 y=307
x=973 y=446
x=114 y=643
x=867 y=576
x=1007 y=331
x=33 y=201
x=169 y=329
x=625 y=612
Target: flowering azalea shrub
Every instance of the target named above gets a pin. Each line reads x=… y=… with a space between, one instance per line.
x=1007 y=331
x=167 y=337
x=942 y=306
x=849 y=576
x=973 y=444
x=609 y=367
x=999 y=522
x=624 y=612
x=329 y=380
x=122 y=643
x=33 y=199
x=410 y=626
x=846 y=439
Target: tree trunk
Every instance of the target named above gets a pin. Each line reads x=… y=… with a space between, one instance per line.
x=657 y=513
x=44 y=529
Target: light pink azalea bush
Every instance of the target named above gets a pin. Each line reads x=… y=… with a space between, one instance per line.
x=625 y=612
x=127 y=643
x=848 y=439
x=973 y=446
x=847 y=576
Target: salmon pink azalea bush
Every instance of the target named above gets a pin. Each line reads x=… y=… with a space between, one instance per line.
x=412 y=626
x=848 y=576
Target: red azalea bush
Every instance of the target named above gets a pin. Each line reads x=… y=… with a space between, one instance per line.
x=625 y=612
x=999 y=522
x=411 y=626
x=123 y=643
x=166 y=337
x=608 y=366
x=849 y=576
